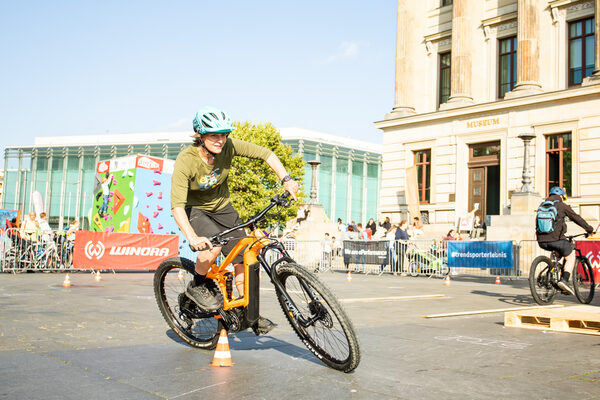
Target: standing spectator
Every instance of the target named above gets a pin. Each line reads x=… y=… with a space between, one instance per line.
x=340 y=226
x=402 y=238
x=372 y=226
x=350 y=235
x=46 y=232
x=363 y=236
x=73 y=228
x=386 y=225
x=452 y=235
x=336 y=246
x=327 y=247
x=390 y=236
x=29 y=227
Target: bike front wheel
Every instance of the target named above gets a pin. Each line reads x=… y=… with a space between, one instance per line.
x=317 y=317
x=583 y=281
x=541 y=281
x=191 y=324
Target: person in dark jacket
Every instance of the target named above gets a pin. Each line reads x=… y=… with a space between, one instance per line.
x=401 y=242
x=386 y=225
x=372 y=226
x=556 y=240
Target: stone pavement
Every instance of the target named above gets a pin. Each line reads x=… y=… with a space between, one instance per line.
x=108 y=340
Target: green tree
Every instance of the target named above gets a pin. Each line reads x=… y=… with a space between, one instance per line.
x=253 y=183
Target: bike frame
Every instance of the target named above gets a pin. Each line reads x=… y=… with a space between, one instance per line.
x=256 y=246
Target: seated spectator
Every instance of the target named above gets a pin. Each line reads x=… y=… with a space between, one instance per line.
x=386 y=224
x=479 y=228
x=416 y=228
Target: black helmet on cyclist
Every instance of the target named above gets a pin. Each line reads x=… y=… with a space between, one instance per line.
x=559 y=191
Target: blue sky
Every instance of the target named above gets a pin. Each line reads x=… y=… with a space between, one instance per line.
x=90 y=67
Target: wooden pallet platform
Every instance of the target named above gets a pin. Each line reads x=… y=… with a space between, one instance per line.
x=576 y=319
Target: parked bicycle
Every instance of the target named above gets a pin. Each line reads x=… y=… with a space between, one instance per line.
x=432 y=262
x=545 y=272
x=309 y=306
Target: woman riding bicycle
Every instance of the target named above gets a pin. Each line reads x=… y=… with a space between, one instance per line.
x=555 y=239
x=200 y=200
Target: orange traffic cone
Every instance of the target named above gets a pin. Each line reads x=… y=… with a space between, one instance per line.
x=348 y=277
x=497 y=279
x=97 y=277
x=180 y=275
x=67 y=281
x=222 y=356
x=447 y=280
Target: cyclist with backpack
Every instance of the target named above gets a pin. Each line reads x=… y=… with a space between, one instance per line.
x=551 y=228
x=200 y=200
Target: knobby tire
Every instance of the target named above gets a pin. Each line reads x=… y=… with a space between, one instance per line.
x=331 y=337
x=541 y=282
x=198 y=330
x=583 y=281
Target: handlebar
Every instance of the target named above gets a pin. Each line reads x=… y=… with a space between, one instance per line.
x=570 y=238
x=220 y=239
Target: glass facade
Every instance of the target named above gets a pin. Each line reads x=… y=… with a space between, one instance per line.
x=348 y=180
x=64 y=176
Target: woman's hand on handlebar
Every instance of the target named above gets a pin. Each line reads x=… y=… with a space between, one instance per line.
x=200 y=243
x=292 y=187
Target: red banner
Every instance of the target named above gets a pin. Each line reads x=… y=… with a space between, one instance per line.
x=591 y=249
x=122 y=251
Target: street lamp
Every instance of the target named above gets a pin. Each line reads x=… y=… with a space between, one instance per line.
x=313 y=185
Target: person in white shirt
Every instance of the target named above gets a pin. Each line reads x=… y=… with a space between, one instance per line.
x=45 y=229
x=327 y=246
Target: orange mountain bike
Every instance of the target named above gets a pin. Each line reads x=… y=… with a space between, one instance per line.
x=309 y=306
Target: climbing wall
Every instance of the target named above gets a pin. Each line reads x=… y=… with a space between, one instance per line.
x=140 y=190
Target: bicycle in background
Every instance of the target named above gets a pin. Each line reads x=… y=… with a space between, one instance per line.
x=546 y=271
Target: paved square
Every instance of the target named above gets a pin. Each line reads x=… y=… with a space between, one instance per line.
x=108 y=340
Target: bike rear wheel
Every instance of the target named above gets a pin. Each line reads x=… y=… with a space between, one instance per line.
x=322 y=324
x=197 y=328
x=542 y=281
x=583 y=281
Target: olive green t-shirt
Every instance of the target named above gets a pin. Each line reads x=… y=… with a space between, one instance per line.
x=197 y=184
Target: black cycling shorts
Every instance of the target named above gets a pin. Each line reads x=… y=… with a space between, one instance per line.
x=208 y=224
x=562 y=247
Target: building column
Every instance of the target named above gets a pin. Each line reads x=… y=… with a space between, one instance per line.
x=528 y=69
x=463 y=29
x=406 y=40
x=594 y=79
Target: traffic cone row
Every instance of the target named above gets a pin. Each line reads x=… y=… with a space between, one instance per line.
x=222 y=357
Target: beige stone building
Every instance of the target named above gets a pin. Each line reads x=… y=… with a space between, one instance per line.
x=475 y=79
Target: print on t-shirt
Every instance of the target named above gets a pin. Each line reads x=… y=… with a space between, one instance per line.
x=208 y=182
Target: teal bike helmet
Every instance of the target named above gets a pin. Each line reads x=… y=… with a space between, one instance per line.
x=212 y=120
x=559 y=191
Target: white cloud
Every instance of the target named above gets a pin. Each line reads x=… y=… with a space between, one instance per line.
x=347 y=51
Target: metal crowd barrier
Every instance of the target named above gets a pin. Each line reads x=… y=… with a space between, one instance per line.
x=414 y=257
x=52 y=251
x=37 y=250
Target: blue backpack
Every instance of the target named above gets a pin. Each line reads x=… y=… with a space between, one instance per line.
x=546 y=216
